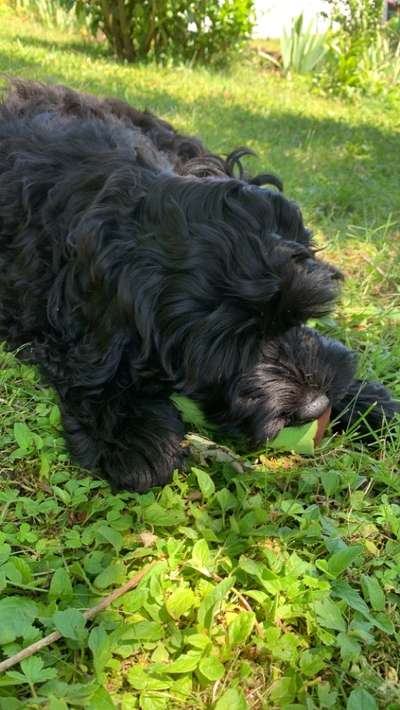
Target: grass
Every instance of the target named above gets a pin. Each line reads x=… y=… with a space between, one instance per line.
x=277 y=579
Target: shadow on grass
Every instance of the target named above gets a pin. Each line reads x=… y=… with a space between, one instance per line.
x=339 y=173
x=93 y=49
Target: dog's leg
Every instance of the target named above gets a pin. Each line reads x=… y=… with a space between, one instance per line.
x=368 y=404
x=129 y=431
x=136 y=443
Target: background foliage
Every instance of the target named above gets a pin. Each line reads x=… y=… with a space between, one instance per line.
x=358 y=54
x=357 y=18
x=205 y=31
x=364 y=55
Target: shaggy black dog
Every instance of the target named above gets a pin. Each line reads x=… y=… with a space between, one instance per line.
x=126 y=281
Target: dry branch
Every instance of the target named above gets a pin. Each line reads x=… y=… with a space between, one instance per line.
x=89 y=614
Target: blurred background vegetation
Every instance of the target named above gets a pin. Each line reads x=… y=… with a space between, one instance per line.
x=359 y=52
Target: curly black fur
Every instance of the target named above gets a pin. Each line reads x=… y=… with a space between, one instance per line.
x=187 y=154
x=131 y=281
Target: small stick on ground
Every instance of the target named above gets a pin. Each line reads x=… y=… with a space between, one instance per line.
x=89 y=614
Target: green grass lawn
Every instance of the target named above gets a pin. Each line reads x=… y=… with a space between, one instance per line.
x=276 y=581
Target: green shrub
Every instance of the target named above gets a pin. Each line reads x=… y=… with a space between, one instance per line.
x=207 y=31
x=362 y=57
x=392 y=30
x=356 y=18
x=177 y=30
x=380 y=65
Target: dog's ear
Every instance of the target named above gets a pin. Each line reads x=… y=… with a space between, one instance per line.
x=279 y=281
x=308 y=287
x=266 y=211
x=289 y=219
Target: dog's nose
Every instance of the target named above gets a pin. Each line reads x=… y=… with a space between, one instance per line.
x=311 y=408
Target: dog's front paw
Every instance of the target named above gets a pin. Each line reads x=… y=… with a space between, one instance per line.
x=138 y=473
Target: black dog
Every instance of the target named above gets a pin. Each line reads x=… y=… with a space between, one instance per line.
x=130 y=281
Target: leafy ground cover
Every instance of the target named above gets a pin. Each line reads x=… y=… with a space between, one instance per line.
x=276 y=579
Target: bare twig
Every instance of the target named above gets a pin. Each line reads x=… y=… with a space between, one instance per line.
x=89 y=614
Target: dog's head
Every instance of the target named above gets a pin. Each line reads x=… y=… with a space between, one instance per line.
x=226 y=266
x=298 y=376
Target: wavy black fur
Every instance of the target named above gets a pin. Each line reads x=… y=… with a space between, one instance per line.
x=130 y=281
x=187 y=154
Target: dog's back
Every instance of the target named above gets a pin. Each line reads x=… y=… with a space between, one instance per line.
x=53 y=174
x=187 y=154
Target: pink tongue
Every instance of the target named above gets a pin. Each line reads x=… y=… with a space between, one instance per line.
x=323 y=422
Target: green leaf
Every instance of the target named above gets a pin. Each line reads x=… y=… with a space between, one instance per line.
x=112 y=536
x=34 y=672
x=5 y=551
x=158 y=516
x=344 y=591
x=201 y=641
x=299 y=439
x=329 y=615
x=60 y=585
x=56 y=703
x=180 y=602
x=226 y=500
x=283 y=691
x=383 y=622
x=114 y=573
x=23 y=435
x=330 y=482
x=141 y=679
x=100 y=646
x=232 y=699
x=341 y=560
x=211 y=668
x=313 y=661
x=71 y=624
x=251 y=566
x=211 y=602
x=190 y=412
x=16 y=617
x=206 y=484
x=144 y=631
x=360 y=699
x=240 y=628
x=100 y=700
x=184 y=664
x=17 y=570
x=350 y=649
x=151 y=701
x=327 y=697
x=201 y=556
x=373 y=591
x=55 y=416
